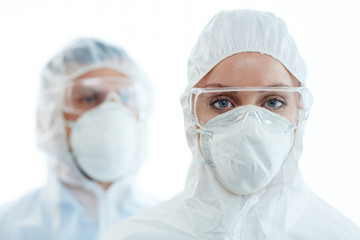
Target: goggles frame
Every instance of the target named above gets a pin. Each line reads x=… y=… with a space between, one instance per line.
x=303 y=91
x=95 y=83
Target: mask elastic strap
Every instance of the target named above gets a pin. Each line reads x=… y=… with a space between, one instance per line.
x=73 y=156
x=210 y=135
x=207 y=162
x=81 y=170
x=205 y=132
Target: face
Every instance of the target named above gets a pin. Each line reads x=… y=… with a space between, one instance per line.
x=86 y=93
x=248 y=70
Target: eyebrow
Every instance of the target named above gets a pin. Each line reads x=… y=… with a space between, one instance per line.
x=212 y=85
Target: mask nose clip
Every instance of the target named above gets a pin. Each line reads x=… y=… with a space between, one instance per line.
x=252 y=113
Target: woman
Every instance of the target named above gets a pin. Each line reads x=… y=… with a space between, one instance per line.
x=245 y=110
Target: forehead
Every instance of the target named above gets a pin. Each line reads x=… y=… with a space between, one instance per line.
x=250 y=69
x=101 y=78
x=102 y=72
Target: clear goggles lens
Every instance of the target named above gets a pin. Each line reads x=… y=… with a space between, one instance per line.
x=292 y=103
x=84 y=94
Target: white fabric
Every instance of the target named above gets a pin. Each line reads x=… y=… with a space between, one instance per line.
x=285 y=208
x=71 y=206
x=235 y=32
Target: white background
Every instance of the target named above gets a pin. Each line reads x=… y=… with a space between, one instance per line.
x=159 y=35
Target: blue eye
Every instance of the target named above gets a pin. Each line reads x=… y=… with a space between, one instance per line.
x=222 y=104
x=274 y=103
x=127 y=95
x=89 y=99
x=125 y=98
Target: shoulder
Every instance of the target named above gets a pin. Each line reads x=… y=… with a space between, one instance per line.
x=322 y=221
x=20 y=214
x=159 y=222
x=25 y=204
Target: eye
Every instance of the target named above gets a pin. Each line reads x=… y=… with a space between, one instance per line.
x=126 y=95
x=274 y=103
x=221 y=103
x=89 y=99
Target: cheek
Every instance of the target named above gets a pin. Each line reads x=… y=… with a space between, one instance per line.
x=294 y=116
x=71 y=118
x=203 y=115
x=291 y=115
x=203 y=118
x=295 y=107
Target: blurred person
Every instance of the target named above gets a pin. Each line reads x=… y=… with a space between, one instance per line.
x=245 y=110
x=91 y=125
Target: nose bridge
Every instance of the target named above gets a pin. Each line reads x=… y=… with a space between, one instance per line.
x=247 y=98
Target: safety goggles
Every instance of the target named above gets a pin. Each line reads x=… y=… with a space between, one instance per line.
x=84 y=94
x=292 y=103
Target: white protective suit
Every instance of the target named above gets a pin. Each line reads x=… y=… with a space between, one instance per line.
x=70 y=206
x=285 y=208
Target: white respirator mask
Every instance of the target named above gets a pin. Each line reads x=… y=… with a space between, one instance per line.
x=246 y=154
x=103 y=141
